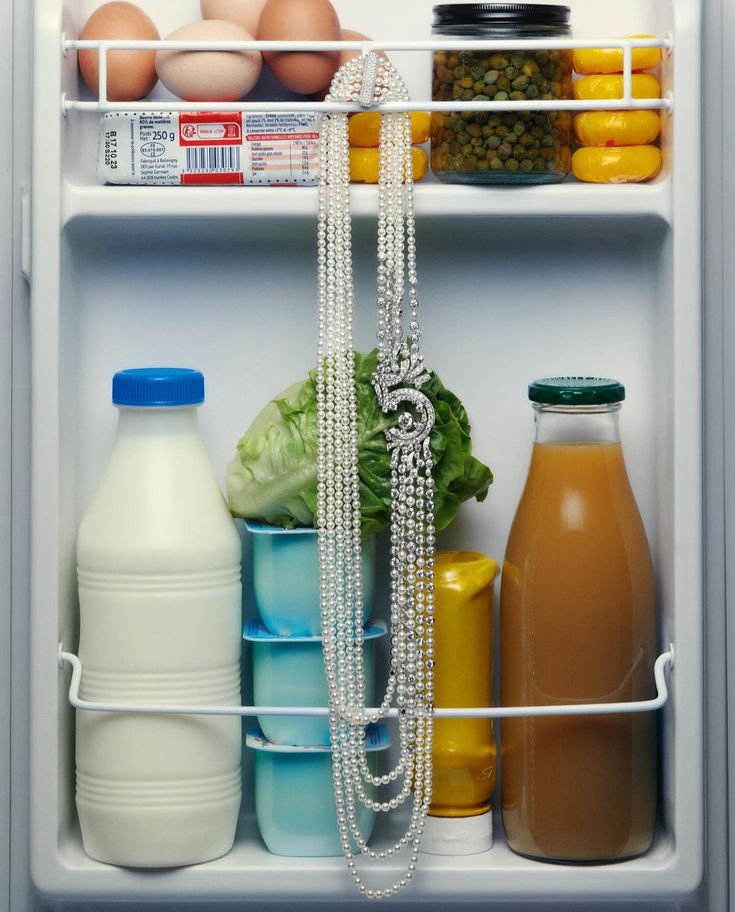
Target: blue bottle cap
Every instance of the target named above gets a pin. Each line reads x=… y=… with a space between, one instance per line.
x=158 y=386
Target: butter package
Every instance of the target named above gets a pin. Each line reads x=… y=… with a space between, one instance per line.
x=208 y=148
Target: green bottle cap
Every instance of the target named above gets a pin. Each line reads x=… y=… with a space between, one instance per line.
x=576 y=391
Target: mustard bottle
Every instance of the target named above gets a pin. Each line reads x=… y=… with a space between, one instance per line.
x=464 y=752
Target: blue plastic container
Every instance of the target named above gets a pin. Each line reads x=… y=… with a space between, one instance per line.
x=286 y=578
x=289 y=671
x=294 y=796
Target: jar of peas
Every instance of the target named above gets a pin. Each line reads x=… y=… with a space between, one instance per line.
x=507 y=147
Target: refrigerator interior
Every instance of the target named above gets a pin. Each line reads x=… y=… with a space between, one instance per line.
x=516 y=284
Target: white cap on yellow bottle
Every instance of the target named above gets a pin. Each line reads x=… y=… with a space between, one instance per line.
x=458 y=835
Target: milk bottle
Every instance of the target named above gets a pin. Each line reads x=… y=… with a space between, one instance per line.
x=159 y=596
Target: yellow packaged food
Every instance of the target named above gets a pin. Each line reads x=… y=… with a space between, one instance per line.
x=617 y=128
x=610 y=60
x=590 y=87
x=365 y=164
x=616 y=164
x=364 y=128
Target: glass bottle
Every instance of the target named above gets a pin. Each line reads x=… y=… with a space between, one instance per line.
x=510 y=147
x=578 y=626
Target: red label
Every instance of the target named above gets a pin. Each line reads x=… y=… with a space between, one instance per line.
x=204 y=179
x=213 y=129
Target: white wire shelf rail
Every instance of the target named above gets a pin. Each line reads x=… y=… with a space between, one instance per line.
x=625 y=102
x=663 y=664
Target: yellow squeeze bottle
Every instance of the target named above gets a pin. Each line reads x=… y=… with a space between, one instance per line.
x=464 y=753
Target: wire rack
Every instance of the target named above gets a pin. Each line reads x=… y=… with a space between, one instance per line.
x=626 y=102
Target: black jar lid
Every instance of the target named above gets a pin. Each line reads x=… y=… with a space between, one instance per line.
x=457 y=15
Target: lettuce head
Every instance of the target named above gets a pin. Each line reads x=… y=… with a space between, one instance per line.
x=272 y=477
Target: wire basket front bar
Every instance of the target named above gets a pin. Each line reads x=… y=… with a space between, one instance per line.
x=663 y=663
x=626 y=102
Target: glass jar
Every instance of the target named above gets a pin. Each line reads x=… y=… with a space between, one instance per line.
x=512 y=147
x=577 y=625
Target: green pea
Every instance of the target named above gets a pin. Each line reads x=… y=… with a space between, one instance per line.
x=468 y=95
x=517 y=96
x=511 y=73
x=483 y=165
x=492 y=142
x=491 y=77
x=539 y=165
x=511 y=165
x=501 y=96
x=532 y=91
x=465 y=57
x=467 y=149
x=477 y=72
x=481 y=98
x=519 y=151
x=505 y=150
x=460 y=72
x=476 y=141
x=496 y=164
x=526 y=164
x=474 y=129
x=502 y=131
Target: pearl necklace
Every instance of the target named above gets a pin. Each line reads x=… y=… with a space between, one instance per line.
x=371 y=80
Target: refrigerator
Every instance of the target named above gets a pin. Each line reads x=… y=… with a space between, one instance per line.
x=630 y=281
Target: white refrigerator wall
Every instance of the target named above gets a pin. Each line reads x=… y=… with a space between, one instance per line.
x=595 y=293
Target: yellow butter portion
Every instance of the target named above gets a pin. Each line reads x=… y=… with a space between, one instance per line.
x=364 y=128
x=365 y=164
x=616 y=164
x=617 y=128
x=610 y=60
x=591 y=87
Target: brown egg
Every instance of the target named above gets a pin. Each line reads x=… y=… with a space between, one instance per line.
x=347 y=35
x=209 y=75
x=130 y=74
x=245 y=13
x=300 y=20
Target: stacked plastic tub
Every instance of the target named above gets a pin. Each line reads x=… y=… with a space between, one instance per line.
x=294 y=798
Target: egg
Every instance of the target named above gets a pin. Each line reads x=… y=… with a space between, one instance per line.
x=347 y=35
x=300 y=20
x=245 y=13
x=130 y=74
x=209 y=75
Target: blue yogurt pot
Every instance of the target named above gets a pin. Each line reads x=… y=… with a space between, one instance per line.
x=289 y=671
x=286 y=578
x=294 y=796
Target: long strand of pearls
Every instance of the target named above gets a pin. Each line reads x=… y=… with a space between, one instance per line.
x=398 y=379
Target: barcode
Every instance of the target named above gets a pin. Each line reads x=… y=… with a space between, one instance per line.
x=213 y=158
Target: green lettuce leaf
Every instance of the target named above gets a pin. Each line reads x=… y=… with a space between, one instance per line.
x=272 y=478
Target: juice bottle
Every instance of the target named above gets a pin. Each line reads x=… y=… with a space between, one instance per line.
x=464 y=754
x=578 y=626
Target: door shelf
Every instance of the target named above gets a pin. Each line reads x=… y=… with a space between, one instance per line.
x=664 y=663
x=432 y=200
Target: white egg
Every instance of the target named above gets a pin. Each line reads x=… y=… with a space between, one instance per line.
x=209 y=75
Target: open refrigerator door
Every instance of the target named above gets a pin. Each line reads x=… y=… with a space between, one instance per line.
x=519 y=282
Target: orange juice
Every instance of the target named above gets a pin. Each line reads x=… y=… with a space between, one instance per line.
x=578 y=626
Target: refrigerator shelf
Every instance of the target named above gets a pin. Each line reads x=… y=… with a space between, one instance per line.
x=431 y=200
x=664 y=663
